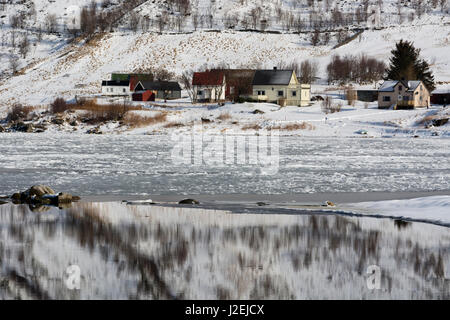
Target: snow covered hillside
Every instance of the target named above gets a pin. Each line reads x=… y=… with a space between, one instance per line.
x=54 y=67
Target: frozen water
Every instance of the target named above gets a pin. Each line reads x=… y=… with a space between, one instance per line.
x=142 y=165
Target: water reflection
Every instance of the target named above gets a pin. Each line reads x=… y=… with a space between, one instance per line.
x=150 y=252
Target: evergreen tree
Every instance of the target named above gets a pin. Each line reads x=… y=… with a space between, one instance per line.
x=405 y=64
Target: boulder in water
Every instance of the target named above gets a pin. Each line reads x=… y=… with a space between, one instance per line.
x=189 y=201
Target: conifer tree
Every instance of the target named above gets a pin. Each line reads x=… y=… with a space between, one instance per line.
x=406 y=64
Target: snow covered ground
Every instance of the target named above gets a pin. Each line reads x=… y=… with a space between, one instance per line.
x=434 y=209
x=55 y=69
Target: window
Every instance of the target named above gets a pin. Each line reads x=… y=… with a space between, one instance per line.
x=124 y=90
x=386 y=98
x=280 y=93
x=261 y=93
x=294 y=93
x=400 y=88
x=199 y=93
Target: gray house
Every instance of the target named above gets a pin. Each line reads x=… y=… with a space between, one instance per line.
x=166 y=90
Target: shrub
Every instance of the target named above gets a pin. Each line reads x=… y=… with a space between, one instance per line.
x=295 y=126
x=251 y=126
x=329 y=107
x=134 y=120
x=59 y=105
x=174 y=125
x=351 y=96
x=224 y=116
x=18 y=112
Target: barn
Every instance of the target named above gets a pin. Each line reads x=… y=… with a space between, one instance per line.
x=166 y=90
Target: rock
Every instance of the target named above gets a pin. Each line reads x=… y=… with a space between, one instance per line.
x=39 y=208
x=3 y=202
x=64 y=198
x=439 y=122
x=257 y=111
x=43 y=195
x=317 y=98
x=329 y=204
x=188 y=201
x=58 y=121
x=73 y=123
x=95 y=130
x=260 y=204
x=206 y=120
x=16 y=196
x=22 y=127
x=2 y=129
x=40 y=190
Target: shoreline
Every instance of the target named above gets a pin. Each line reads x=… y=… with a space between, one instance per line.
x=307 y=199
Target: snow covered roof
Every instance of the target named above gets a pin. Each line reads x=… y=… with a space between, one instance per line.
x=389 y=85
x=272 y=77
x=412 y=85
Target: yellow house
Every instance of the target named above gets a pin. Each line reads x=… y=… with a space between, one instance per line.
x=400 y=94
x=281 y=87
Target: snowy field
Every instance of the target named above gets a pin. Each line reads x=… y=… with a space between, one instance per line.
x=192 y=253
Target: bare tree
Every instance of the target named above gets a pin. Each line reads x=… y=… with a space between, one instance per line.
x=162 y=20
x=195 y=21
x=13 y=63
x=133 y=21
x=255 y=15
x=186 y=82
x=51 y=23
x=443 y=5
x=399 y=11
x=308 y=71
x=315 y=37
x=326 y=38
x=13 y=39
x=24 y=46
x=163 y=74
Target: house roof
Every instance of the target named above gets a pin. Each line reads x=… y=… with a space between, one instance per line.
x=160 y=85
x=208 y=78
x=272 y=77
x=115 y=83
x=412 y=85
x=389 y=85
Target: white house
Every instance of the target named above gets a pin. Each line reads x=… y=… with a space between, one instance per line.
x=116 y=88
x=209 y=86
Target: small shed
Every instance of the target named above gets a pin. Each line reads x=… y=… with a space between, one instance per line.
x=367 y=95
x=144 y=96
x=166 y=90
x=440 y=96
